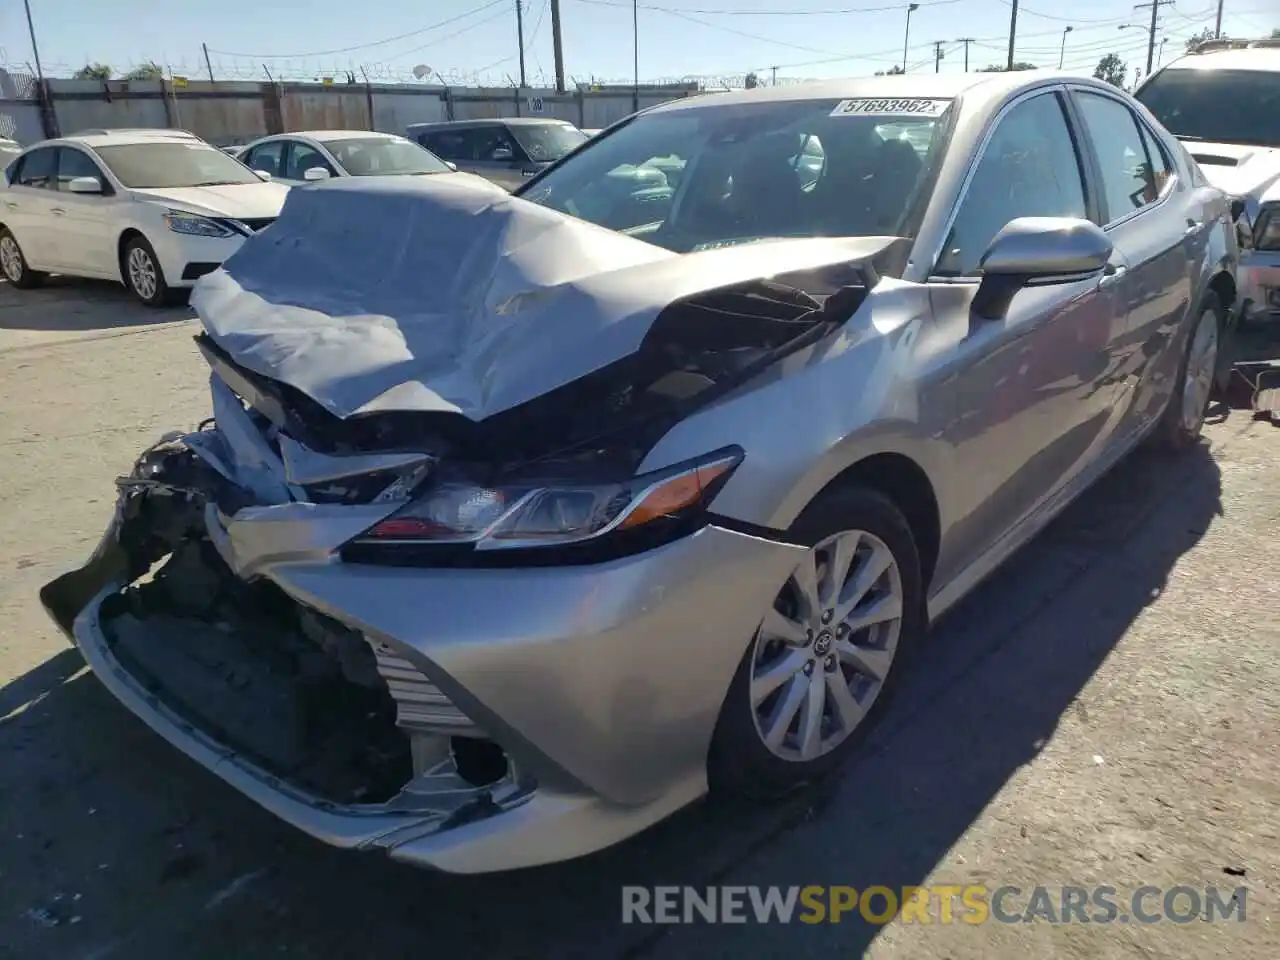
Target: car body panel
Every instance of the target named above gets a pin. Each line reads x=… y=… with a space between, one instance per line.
x=602 y=680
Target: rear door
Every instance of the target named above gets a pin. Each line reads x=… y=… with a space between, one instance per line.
x=1147 y=216
x=1029 y=400
x=82 y=228
x=28 y=201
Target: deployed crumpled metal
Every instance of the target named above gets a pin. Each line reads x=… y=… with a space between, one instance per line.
x=417 y=294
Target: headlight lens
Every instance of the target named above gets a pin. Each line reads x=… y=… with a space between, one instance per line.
x=195 y=226
x=1267 y=233
x=546 y=514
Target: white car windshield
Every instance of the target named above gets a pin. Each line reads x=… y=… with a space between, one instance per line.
x=1219 y=106
x=719 y=175
x=381 y=156
x=167 y=165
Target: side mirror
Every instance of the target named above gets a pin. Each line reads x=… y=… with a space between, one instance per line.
x=1035 y=251
x=263 y=174
x=451 y=165
x=85 y=185
x=502 y=153
x=315 y=173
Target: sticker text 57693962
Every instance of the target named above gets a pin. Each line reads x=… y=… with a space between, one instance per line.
x=890 y=107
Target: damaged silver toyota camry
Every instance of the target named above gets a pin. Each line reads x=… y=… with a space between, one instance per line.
x=523 y=521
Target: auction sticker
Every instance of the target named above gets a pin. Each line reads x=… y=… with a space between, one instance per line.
x=882 y=107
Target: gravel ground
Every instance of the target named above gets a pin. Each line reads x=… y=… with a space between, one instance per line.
x=1105 y=711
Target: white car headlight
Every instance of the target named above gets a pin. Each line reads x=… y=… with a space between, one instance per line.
x=636 y=513
x=194 y=225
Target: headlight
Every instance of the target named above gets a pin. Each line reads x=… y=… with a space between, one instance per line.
x=1267 y=233
x=593 y=521
x=195 y=226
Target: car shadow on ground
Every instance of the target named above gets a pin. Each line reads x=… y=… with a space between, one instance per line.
x=115 y=845
x=72 y=304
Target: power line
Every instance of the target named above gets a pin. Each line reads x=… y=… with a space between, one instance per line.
x=363 y=46
x=751 y=12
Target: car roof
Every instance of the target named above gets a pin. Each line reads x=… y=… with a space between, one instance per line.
x=116 y=138
x=1266 y=59
x=340 y=134
x=485 y=121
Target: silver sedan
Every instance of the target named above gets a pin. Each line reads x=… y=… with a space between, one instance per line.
x=524 y=521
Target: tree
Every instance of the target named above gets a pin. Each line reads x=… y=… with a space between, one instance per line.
x=1111 y=69
x=1000 y=68
x=751 y=82
x=93 y=71
x=1200 y=37
x=146 y=71
x=891 y=72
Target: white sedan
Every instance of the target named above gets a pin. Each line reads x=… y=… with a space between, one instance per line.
x=308 y=156
x=155 y=210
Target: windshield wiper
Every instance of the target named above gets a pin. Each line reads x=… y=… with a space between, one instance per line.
x=218 y=183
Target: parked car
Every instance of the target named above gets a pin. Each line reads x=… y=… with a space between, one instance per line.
x=501 y=549
x=308 y=156
x=507 y=151
x=153 y=209
x=1223 y=103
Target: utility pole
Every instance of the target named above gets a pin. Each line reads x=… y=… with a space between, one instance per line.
x=1062 y=51
x=520 y=39
x=1160 y=55
x=635 y=55
x=1013 y=32
x=937 y=55
x=1155 y=6
x=1217 y=26
x=31 y=29
x=966 y=41
x=557 y=45
x=774 y=82
x=906 y=34
x=207 y=65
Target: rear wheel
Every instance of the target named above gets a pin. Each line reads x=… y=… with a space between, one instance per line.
x=1183 y=418
x=819 y=671
x=13 y=263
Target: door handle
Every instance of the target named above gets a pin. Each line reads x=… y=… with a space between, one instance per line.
x=11 y=204
x=1110 y=274
x=57 y=211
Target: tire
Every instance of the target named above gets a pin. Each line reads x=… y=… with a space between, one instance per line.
x=142 y=274
x=1183 y=418
x=740 y=763
x=13 y=263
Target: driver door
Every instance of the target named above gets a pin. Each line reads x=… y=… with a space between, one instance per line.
x=1030 y=394
x=82 y=230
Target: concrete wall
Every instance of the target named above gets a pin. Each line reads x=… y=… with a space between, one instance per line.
x=225 y=113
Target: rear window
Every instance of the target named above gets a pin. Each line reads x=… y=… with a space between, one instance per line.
x=1219 y=106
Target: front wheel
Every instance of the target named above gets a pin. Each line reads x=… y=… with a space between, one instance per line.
x=819 y=671
x=143 y=275
x=1183 y=418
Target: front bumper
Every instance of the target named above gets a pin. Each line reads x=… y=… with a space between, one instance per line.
x=184 y=258
x=602 y=683
x=1259 y=280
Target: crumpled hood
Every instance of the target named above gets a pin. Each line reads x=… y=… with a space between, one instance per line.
x=239 y=201
x=423 y=294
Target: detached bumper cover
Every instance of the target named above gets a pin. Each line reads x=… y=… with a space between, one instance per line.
x=1259 y=281
x=603 y=684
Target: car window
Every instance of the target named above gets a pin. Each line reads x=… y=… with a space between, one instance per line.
x=487 y=141
x=447 y=144
x=1127 y=180
x=547 y=142
x=37 y=169
x=382 y=156
x=1161 y=167
x=722 y=175
x=265 y=157
x=1029 y=168
x=74 y=163
x=1218 y=106
x=302 y=157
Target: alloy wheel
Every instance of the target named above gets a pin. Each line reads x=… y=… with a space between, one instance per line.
x=142 y=273
x=825 y=647
x=10 y=259
x=1202 y=365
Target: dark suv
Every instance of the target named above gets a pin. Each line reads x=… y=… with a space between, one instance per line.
x=506 y=151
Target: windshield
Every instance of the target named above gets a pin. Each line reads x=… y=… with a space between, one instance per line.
x=714 y=176
x=547 y=142
x=380 y=156
x=166 y=165
x=1221 y=106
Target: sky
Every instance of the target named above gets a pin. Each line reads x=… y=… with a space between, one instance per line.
x=718 y=41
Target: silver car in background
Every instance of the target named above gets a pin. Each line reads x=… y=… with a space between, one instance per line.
x=524 y=521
